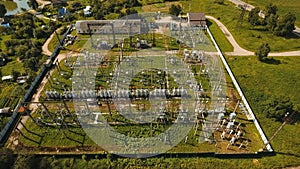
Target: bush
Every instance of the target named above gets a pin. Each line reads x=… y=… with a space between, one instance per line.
x=221 y=2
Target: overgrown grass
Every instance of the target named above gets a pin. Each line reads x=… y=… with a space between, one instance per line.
x=247 y=37
x=260 y=81
x=283 y=7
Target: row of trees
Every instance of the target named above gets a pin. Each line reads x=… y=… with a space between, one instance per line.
x=280 y=26
x=102 y=9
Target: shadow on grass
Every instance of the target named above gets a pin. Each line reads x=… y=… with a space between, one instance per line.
x=208 y=23
x=288 y=154
x=271 y=61
x=292 y=36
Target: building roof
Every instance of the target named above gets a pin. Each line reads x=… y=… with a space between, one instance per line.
x=5 y=110
x=196 y=16
x=7 y=77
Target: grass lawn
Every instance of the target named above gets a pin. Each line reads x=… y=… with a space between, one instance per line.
x=9 y=5
x=162 y=7
x=283 y=7
x=247 y=37
x=259 y=82
x=2 y=40
x=219 y=36
x=13 y=65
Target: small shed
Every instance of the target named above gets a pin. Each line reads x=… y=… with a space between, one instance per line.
x=196 y=19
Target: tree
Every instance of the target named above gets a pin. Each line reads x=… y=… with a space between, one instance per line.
x=175 y=10
x=15 y=75
x=270 y=9
x=2 y=10
x=277 y=107
x=6 y=158
x=263 y=51
x=130 y=11
x=253 y=17
x=286 y=25
x=33 y=4
x=272 y=22
x=30 y=63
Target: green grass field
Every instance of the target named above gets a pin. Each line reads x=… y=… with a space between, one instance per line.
x=283 y=7
x=260 y=81
x=219 y=36
x=245 y=35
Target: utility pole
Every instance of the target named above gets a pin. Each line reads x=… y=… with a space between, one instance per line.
x=277 y=131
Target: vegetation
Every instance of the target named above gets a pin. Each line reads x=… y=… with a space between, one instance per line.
x=175 y=10
x=33 y=4
x=280 y=27
x=262 y=83
x=284 y=7
x=219 y=36
x=21 y=47
x=253 y=17
x=263 y=51
x=245 y=34
x=102 y=10
x=277 y=107
x=2 y=10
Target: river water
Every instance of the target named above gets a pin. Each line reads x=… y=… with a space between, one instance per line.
x=20 y=4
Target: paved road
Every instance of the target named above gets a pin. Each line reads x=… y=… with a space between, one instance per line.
x=239 y=51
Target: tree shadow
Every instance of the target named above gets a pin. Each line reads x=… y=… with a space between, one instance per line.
x=291 y=36
x=271 y=61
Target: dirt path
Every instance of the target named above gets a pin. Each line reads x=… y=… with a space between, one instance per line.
x=238 y=50
x=45 y=49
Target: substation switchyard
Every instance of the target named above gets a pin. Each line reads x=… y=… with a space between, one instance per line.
x=142 y=85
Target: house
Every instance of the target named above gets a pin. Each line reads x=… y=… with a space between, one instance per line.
x=22 y=79
x=87 y=11
x=5 y=111
x=5 y=78
x=196 y=19
x=62 y=11
x=5 y=24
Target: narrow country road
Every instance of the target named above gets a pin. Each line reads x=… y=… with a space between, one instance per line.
x=238 y=50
